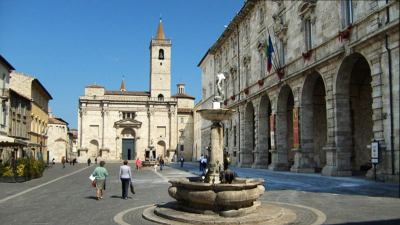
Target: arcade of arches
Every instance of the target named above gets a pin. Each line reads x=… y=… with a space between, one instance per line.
x=312 y=125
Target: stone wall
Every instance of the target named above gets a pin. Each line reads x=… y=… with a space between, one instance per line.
x=326 y=81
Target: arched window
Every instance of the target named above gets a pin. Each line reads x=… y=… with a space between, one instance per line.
x=160 y=97
x=161 y=54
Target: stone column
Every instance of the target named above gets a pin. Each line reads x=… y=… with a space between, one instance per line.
x=170 y=114
x=102 y=128
x=273 y=150
x=244 y=155
x=296 y=130
x=303 y=157
x=149 y=127
x=338 y=159
x=330 y=147
x=80 y=129
x=379 y=99
x=262 y=142
x=260 y=151
x=216 y=154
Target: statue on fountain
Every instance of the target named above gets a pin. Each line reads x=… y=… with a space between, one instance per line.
x=221 y=95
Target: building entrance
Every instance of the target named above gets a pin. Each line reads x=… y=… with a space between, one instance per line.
x=128 y=149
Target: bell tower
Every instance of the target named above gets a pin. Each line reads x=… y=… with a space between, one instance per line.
x=160 y=65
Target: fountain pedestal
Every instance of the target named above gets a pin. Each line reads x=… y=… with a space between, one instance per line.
x=216 y=156
x=215 y=165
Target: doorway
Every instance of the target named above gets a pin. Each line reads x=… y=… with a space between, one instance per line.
x=128 y=149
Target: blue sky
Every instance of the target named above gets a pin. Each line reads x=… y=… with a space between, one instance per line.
x=68 y=44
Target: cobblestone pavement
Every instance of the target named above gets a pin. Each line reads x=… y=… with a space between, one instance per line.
x=66 y=196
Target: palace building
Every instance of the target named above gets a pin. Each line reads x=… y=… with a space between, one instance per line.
x=122 y=124
x=328 y=101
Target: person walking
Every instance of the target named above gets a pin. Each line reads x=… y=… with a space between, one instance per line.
x=161 y=163
x=201 y=162
x=138 y=163
x=89 y=161
x=95 y=160
x=100 y=174
x=125 y=175
x=63 y=161
x=181 y=160
x=204 y=163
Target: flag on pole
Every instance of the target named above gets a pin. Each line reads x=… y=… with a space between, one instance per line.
x=269 y=49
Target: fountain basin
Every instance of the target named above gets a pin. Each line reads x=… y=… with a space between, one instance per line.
x=229 y=200
x=216 y=115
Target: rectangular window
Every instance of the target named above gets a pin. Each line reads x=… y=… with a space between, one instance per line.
x=226 y=137
x=347 y=12
x=247 y=76
x=3 y=115
x=94 y=130
x=308 y=34
x=181 y=148
x=262 y=65
x=161 y=131
x=282 y=52
x=234 y=136
x=128 y=115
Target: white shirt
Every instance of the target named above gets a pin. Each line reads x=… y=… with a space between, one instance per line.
x=125 y=172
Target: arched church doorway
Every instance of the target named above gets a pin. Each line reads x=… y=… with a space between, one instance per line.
x=93 y=150
x=161 y=150
x=313 y=120
x=354 y=114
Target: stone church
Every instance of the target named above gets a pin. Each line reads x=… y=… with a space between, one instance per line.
x=122 y=124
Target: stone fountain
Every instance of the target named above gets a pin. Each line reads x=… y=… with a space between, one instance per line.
x=212 y=200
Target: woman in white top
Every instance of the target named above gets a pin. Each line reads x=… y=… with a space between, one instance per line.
x=125 y=175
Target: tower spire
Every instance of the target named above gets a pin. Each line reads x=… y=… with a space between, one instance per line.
x=123 y=85
x=160 y=31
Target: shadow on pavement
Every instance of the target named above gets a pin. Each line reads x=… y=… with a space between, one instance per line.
x=115 y=196
x=91 y=197
x=377 y=222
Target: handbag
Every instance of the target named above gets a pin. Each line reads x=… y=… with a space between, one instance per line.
x=131 y=186
x=94 y=183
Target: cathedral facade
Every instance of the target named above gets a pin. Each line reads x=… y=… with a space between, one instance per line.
x=115 y=125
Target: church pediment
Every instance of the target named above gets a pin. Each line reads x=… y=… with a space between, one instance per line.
x=128 y=123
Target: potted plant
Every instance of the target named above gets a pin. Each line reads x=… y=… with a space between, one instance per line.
x=25 y=169
x=260 y=82
x=7 y=174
